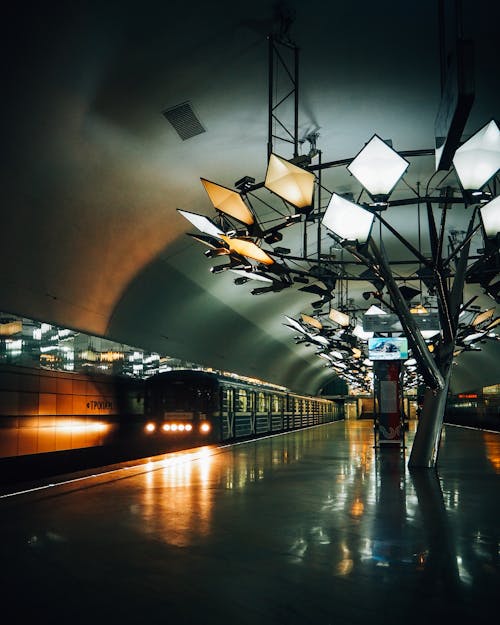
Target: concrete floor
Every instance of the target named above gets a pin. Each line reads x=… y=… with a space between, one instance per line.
x=314 y=527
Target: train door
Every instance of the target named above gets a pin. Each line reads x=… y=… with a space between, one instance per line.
x=227 y=413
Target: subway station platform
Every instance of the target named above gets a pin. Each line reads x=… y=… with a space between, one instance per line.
x=312 y=527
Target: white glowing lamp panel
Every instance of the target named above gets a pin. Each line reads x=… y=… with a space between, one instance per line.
x=202 y=223
x=490 y=214
x=347 y=220
x=378 y=167
x=478 y=159
x=292 y=183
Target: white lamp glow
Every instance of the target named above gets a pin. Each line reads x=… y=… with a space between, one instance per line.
x=490 y=214
x=202 y=223
x=339 y=317
x=292 y=183
x=478 y=159
x=378 y=167
x=375 y=310
x=361 y=334
x=252 y=275
x=347 y=219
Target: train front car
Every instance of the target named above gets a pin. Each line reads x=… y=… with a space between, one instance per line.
x=182 y=404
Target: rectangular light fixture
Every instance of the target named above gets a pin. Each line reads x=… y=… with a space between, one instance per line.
x=292 y=183
x=228 y=201
x=361 y=334
x=478 y=159
x=348 y=220
x=484 y=316
x=248 y=249
x=378 y=167
x=252 y=275
x=296 y=325
x=311 y=321
x=339 y=317
x=202 y=223
x=490 y=216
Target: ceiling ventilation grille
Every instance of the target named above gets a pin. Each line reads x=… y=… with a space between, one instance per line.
x=184 y=120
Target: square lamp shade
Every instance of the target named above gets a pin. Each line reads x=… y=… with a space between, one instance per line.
x=202 y=223
x=228 y=202
x=490 y=215
x=311 y=321
x=339 y=317
x=478 y=159
x=347 y=220
x=247 y=248
x=292 y=183
x=378 y=167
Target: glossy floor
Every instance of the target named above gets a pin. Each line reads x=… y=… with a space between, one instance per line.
x=311 y=527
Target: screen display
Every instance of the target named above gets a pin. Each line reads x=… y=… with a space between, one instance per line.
x=388 y=348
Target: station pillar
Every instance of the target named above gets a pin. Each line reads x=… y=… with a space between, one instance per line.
x=389 y=428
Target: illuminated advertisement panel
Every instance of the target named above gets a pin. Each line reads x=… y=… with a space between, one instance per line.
x=388 y=348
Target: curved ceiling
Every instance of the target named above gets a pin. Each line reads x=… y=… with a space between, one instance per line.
x=93 y=172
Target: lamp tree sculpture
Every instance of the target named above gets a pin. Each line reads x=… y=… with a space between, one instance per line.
x=255 y=253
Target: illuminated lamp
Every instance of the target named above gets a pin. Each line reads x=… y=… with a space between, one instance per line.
x=205 y=427
x=493 y=324
x=202 y=223
x=428 y=334
x=150 y=427
x=211 y=242
x=311 y=321
x=378 y=168
x=484 y=316
x=292 y=323
x=361 y=334
x=419 y=310
x=478 y=159
x=339 y=317
x=375 y=310
x=292 y=183
x=252 y=275
x=228 y=202
x=490 y=216
x=247 y=248
x=348 y=220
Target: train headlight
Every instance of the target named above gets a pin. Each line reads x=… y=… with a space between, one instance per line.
x=181 y=427
x=189 y=427
x=166 y=427
x=173 y=427
x=205 y=427
x=150 y=427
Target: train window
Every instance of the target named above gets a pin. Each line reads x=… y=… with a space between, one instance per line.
x=242 y=400
x=261 y=402
x=275 y=403
x=228 y=396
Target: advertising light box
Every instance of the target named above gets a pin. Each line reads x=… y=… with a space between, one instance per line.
x=388 y=348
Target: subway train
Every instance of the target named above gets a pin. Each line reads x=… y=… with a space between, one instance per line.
x=54 y=422
x=220 y=408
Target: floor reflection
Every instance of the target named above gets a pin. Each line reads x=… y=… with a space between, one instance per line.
x=311 y=527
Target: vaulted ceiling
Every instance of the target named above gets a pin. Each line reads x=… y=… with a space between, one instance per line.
x=93 y=172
